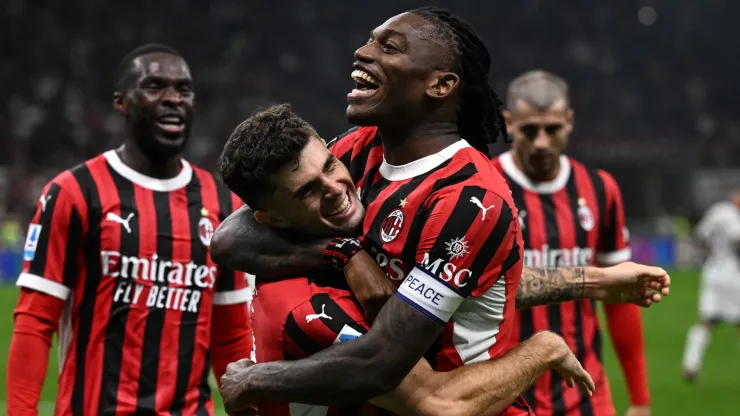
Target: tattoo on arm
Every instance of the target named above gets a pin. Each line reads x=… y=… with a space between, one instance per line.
x=242 y=243
x=353 y=371
x=540 y=286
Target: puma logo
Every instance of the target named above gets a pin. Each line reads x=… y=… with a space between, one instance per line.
x=43 y=199
x=477 y=202
x=115 y=218
x=311 y=317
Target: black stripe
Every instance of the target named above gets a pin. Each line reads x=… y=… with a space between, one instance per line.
x=334 y=141
x=92 y=280
x=554 y=315
x=606 y=235
x=581 y=241
x=488 y=250
x=38 y=264
x=299 y=337
x=358 y=164
x=74 y=232
x=147 y=394
x=457 y=222
x=339 y=318
x=115 y=332
x=226 y=276
x=368 y=184
x=420 y=216
x=204 y=389
x=189 y=319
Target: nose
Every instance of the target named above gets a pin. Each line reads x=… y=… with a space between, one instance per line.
x=333 y=189
x=364 y=53
x=542 y=140
x=172 y=96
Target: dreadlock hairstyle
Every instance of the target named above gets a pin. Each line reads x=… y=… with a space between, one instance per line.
x=123 y=71
x=480 y=118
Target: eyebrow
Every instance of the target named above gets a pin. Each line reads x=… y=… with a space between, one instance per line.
x=327 y=165
x=388 y=32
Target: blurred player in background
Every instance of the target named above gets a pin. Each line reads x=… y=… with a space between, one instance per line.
x=570 y=216
x=117 y=262
x=718 y=234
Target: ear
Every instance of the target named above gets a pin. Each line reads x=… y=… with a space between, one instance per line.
x=442 y=84
x=508 y=119
x=119 y=103
x=267 y=218
x=569 y=122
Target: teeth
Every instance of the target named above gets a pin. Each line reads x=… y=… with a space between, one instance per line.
x=360 y=75
x=170 y=120
x=342 y=208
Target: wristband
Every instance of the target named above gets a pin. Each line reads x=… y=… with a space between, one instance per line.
x=340 y=250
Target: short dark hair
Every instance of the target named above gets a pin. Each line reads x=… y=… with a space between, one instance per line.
x=123 y=71
x=258 y=148
x=538 y=88
x=480 y=119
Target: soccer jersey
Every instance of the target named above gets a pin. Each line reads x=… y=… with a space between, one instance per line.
x=295 y=318
x=445 y=229
x=720 y=229
x=129 y=255
x=576 y=219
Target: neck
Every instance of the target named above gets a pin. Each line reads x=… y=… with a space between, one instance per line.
x=405 y=145
x=158 y=167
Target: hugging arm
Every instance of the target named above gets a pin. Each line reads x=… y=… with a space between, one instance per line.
x=242 y=243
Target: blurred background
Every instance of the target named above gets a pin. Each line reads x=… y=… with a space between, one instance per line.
x=654 y=88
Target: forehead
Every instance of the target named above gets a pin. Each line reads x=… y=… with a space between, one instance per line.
x=525 y=112
x=310 y=164
x=417 y=30
x=161 y=64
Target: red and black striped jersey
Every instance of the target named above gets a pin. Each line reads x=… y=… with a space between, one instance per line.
x=129 y=254
x=293 y=319
x=576 y=219
x=445 y=229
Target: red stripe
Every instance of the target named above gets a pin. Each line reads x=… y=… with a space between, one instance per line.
x=566 y=232
x=209 y=199
x=375 y=157
x=67 y=376
x=292 y=348
x=106 y=190
x=133 y=342
x=538 y=238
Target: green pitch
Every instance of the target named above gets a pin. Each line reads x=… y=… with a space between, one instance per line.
x=665 y=330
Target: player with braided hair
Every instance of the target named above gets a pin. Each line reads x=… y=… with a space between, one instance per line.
x=439 y=221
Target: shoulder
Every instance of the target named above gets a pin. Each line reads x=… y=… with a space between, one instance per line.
x=354 y=137
x=473 y=170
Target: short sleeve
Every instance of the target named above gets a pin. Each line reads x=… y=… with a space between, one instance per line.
x=54 y=238
x=614 y=246
x=705 y=227
x=469 y=240
x=326 y=319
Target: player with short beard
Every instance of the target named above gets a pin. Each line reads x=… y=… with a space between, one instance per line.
x=571 y=216
x=117 y=263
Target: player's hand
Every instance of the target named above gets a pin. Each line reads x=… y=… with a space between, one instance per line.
x=369 y=283
x=573 y=373
x=234 y=388
x=630 y=282
x=638 y=411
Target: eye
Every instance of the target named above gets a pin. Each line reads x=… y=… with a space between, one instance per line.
x=389 y=47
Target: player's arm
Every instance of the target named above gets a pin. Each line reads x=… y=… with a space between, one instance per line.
x=484 y=388
x=46 y=280
x=231 y=335
x=624 y=321
x=410 y=321
x=242 y=243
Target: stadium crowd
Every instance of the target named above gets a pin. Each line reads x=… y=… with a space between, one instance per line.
x=632 y=83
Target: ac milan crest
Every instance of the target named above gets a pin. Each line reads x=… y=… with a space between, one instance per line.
x=205 y=231
x=585 y=216
x=391 y=226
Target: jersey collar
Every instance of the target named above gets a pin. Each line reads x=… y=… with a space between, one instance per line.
x=547 y=187
x=420 y=166
x=162 y=185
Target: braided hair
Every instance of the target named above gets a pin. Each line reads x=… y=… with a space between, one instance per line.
x=480 y=119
